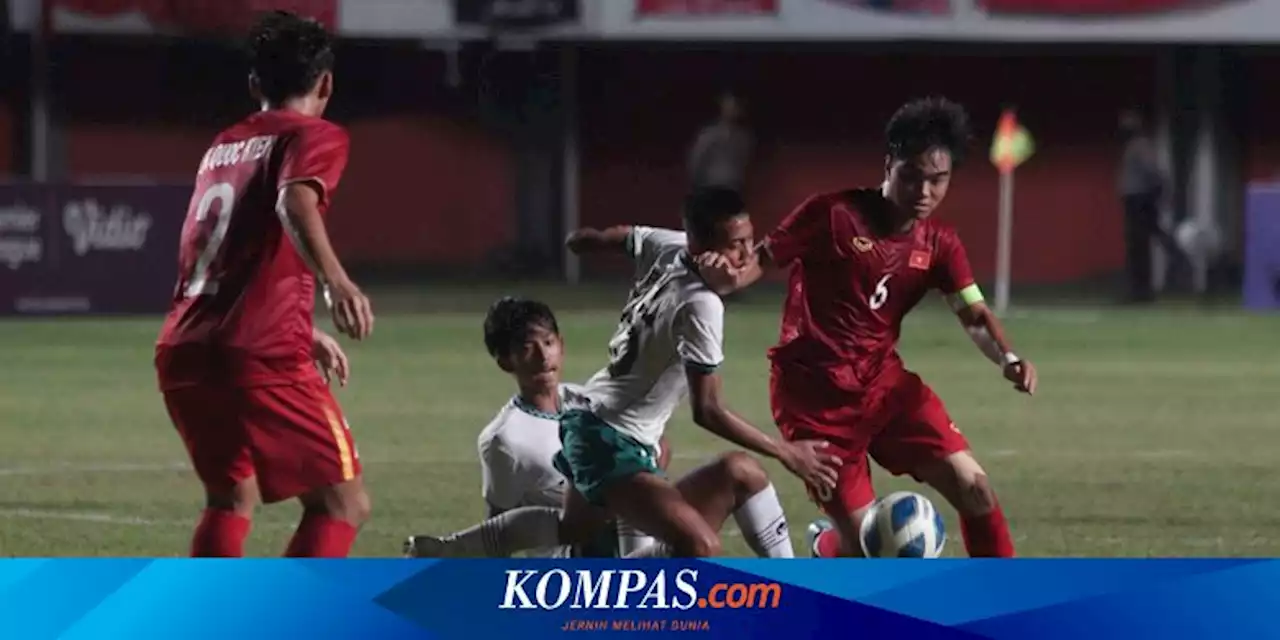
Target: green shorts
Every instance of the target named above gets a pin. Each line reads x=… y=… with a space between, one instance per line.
x=595 y=455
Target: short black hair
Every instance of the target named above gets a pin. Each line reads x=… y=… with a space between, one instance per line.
x=707 y=207
x=928 y=123
x=510 y=321
x=287 y=54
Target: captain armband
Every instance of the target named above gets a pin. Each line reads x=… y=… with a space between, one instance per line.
x=965 y=297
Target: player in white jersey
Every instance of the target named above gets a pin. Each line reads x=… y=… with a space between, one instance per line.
x=521 y=488
x=668 y=345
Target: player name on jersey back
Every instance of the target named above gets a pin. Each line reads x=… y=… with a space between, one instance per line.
x=229 y=153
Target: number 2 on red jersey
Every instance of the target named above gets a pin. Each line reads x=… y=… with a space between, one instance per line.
x=218 y=199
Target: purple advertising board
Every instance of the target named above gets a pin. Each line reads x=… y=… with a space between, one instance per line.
x=77 y=249
x=1262 y=247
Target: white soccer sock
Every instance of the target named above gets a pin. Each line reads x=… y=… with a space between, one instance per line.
x=764 y=525
x=652 y=550
x=631 y=539
x=519 y=529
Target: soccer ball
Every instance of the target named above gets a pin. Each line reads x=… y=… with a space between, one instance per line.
x=903 y=525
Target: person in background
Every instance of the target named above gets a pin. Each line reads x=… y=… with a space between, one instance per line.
x=722 y=150
x=1142 y=186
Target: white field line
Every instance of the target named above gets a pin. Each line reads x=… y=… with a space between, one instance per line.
x=1218 y=542
x=71 y=468
x=178 y=465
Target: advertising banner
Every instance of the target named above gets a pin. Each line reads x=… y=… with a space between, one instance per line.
x=1068 y=8
x=1217 y=21
x=190 y=16
x=515 y=13
x=989 y=21
x=88 y=249
x=722 y=8
x=935 y=7
x=141 y=598
x=1262 y=236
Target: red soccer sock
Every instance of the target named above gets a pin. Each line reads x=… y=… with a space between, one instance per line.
x=987 y=536
x=321 y=536
x=828 y=544
x=220 y=534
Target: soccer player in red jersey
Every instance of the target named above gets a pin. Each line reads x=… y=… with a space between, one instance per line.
x=859 y=261
x=236 y=359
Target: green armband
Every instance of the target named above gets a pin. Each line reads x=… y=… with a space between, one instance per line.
x=970 y=295
x=965 y=298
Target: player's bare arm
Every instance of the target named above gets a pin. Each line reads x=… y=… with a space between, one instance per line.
x=299 y=211
x=806 y=459
x=591 y=240
x=986 y=331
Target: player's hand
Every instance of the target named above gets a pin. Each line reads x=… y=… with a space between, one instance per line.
x=1023 y=376
x=718 y=272
x=330 y=358
x=350 y=308
x=809 y=460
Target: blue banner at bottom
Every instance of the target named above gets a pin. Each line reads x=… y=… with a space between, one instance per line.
x=526 y=599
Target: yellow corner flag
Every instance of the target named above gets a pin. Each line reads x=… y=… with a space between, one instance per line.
x=1012 y=144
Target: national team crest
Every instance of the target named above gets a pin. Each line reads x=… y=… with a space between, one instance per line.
x=862 y=244
x=919 y=260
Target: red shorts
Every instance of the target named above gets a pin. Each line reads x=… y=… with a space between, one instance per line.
x=292 y=437
x=900 y=423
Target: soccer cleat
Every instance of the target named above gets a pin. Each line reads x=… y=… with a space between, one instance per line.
x=423 y=547
x=811 y=535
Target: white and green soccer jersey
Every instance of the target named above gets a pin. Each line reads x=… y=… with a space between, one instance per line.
x=516 y=451
x=672 y=321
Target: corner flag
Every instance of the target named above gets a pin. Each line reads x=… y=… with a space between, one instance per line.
x=1012 y=144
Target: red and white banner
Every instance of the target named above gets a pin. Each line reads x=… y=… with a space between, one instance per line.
x=719 y=8
x=186 y=16
x=1095 y=7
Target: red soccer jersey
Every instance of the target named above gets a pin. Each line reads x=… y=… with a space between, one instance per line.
x=850 y=287
x=243 y=303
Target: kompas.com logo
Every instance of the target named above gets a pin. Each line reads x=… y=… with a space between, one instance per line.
x=614 y=589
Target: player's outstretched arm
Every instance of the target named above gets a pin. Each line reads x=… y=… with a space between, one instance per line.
x=806 y=459
x=986 y=331
x=590 y=240
x=299 y=210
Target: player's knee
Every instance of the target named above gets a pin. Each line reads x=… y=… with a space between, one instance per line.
x=977 y=498
x=697 y=544
x=356 y=508
x=745 y=473
x=348 y=502
x=975 y=495
x=692 y=537
x=241 y=499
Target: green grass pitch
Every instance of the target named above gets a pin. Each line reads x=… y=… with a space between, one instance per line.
x=1155 y=432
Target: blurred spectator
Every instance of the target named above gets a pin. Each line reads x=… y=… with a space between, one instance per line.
x=722 y=151
x=1142 y=186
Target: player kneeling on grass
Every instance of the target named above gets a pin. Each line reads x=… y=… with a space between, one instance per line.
x=669 y=344
x=523 y=490
x=234 y=358
x=859 y=261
